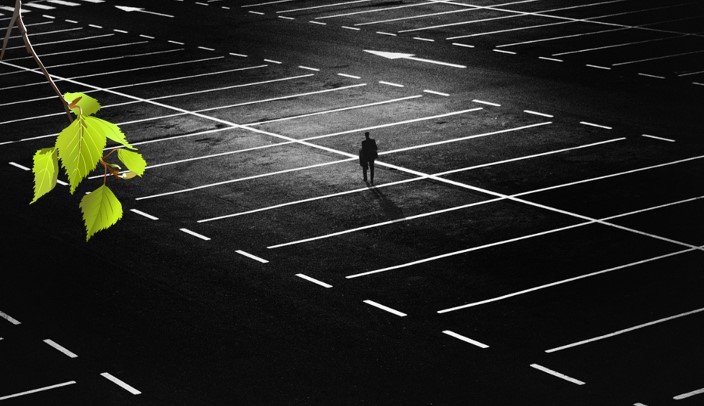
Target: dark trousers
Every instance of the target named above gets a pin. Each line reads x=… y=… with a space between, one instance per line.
x=368 y=165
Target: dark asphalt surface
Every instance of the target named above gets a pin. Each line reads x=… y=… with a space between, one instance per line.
x=541 y=206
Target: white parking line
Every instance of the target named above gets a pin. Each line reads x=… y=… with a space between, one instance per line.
x=626 y=330
x=538 y=114
x=73 y=51
x=120 y=383
x=391 y=20
x=141 y=213
x=610 y=46
x=589 y=65
x=656 y=58
x=390 y=83
x=465 y=339
x=323 y=6
x=376 y=10
x=689 y=394
x=563 y=281
x=385 y=308
x=657 y=138
x=64 y=40
x=24 y=168
x=193 y=233
x=595 y=125
x=254 y=257
x=60 y=348
x=317 y=282
x=557 y=374
x=9 y=318
x=45 y=388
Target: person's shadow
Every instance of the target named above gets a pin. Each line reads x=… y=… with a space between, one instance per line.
x=391 y=211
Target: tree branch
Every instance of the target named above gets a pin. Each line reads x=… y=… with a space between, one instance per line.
x=17 y=20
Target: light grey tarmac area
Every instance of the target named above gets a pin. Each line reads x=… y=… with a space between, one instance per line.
x=533 y=234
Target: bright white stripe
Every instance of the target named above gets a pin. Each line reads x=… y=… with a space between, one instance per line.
x=595 y=125
x=286 y=18
x=597 y=66
x=349 y=76
x=537 y=113
x=464 y=251
x=437 y=93
x=626 y=330
x=503 y=51
x=272 y=61
x=267 y=3
x=457 y=44
x=689 y=394
x=254 y=257
x=486 y=102
x=545 y=58
x=9 y=318
x=141 y=213
x=317 y=282
x=206 y=48
x=120 y=383
x=65 y=40
x=578 y=51
x=656 y=58
x=690 y=73
x=34 y=34
x=48 y=16
x=465 y=339
x=317 y=113
x=256 y=12
x=63 y=3
x=39 y=6
x=386 y=308
x=351 y=28
x=391 y=20
x=13 y=9
x=376 y=10
x=37 y=390
x=146 y=36
x=698 y=83
x=548 y=285
x=658 y=138
x=323 y=6
x=639 y=404
x=651 y=76
x=60 y=348
x=94 y=1
x=120 y=31
x=78 y=51
x=318 y=22
x=557 y=374
x=386 y=33
x=71 y=21
x=180 y=78
x=19 y=166
x=309 y=68
x=240 y=55
x=581 y=34
x=202 y=237
x=95 y=26
x=175 y=42
x=424 y=39
x=390 y=84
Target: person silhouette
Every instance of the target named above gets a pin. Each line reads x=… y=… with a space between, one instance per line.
x=367 y=155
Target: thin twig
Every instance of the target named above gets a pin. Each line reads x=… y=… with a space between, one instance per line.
x=17 y=20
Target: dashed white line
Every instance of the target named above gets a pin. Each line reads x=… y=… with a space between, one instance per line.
x=193 y=233
x=658 y=138
x=318 y=22
x=486 y=102
x=286 y=18
x=9 y=318
x=557 y=374
x=317 y=282
x=626 y=330
x=589 y=65
x=256 y=12
x=71 y=21
x=503 y=51
x=45 y=388
x=141 y=213
x=120 y=31
x=386 y=33
x=60 y=348
x=120 y=383
x=15 y=164
x=459 y=44
x=648 y=75
x=309 y=68
x=465 y=339
x=206 y=48
x=349 y=76
x=175 y=42
x=436 y=93
x=424 y=39
x=95 y=26
x=545 y=58
x=385 y=308
x=689 y=394
x=272 y=61
x=240 y=55
x=254 y=257
x=595 y=125
x=538 y=113
x=351 y=28
x=390 y=83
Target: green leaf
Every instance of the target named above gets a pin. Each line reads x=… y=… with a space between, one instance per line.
x=80 y=149
x=46 y=170
x=101 y=209
x=109 y=129
x=132 y=160
x=87 y=104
